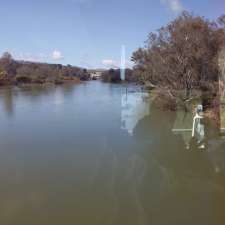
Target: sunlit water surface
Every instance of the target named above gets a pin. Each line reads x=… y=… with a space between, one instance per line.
x=92 y=155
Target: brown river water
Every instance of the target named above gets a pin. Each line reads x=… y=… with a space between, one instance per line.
x=91 y=155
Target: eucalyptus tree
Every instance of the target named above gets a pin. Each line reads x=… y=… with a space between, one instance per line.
x=182 y=56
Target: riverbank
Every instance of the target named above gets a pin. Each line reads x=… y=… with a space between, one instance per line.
x=14 y=72
x=23 y=83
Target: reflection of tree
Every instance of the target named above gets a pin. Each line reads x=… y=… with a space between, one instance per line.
x=8 y=101
x=68 y=89
x=178 y=184
x=150 y=178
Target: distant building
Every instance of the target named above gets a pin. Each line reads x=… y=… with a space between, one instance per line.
x=96 y=74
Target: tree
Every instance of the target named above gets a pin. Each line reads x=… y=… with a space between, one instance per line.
x=3 y=77
x=7 y=56
x=182 y=56
x=30 y=72
x=8 y=64
x=113 y=75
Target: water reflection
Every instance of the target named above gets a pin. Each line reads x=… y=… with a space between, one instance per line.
x=185 y=184
x=134 y=106
x=59 y=97
x=7 y=100
x=81 y=167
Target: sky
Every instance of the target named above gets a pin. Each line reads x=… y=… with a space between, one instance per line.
x=88 y=33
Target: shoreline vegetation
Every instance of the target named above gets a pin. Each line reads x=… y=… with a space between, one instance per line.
x=14 y=72
x=183 y=61
x=113 y=76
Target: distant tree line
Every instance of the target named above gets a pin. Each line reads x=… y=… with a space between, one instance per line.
x=113 y=76
x=182 y=57
x=16 y=72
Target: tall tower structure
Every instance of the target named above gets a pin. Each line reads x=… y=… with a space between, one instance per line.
x=123 y=63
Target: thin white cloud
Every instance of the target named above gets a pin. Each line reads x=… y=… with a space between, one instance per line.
x=174 y=5
x=57 y=55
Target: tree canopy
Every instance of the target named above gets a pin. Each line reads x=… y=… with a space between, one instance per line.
x=183 y=55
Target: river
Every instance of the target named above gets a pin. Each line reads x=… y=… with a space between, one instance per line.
x=90 y=154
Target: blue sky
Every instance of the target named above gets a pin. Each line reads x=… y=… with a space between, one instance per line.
x=88 y=33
